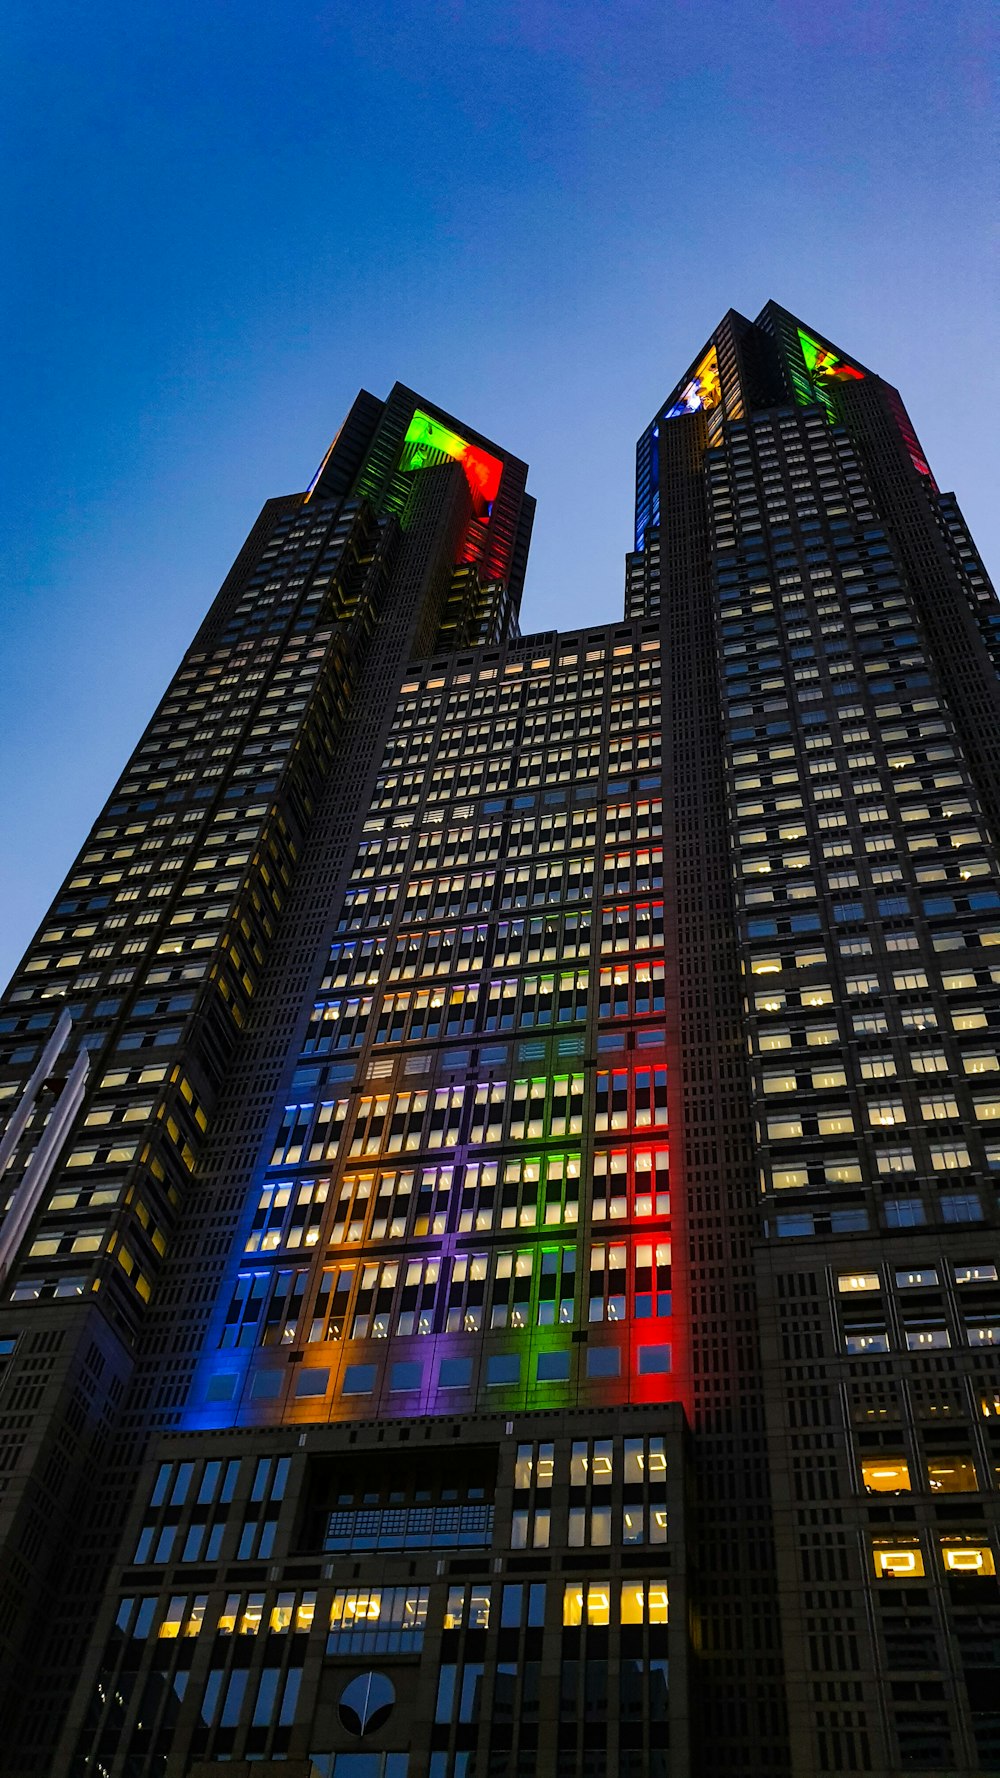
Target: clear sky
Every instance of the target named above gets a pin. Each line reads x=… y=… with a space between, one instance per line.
x=222 y=219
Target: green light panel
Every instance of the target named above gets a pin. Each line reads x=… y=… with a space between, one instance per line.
x=427 y=442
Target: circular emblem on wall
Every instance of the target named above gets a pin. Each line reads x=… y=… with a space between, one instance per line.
x=365 y=1703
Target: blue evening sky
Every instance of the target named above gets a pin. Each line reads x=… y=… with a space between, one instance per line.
x=221 y=220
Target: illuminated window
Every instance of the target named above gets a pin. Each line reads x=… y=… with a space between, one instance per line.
x=599 y=1603
x=645 y=1602
x=952 y=1475
x=633 y=1602
x=780 y=1083
x=898 y=1561
x=386 y=1619
x=967 y=1558
x=173 y=1617
x=642 y=1174
x=859 y=1342
x=454 y=1609
x=251 y=1615
x=608 y=1280
x=921 y=1339
x=591 y=1458
x=915 y=1280
x=851 y=1281
x=885 y=1475
x=887 y=1112
x=788 y=1178
x=983 y=1273
x=765 y=966
x=573 y=1605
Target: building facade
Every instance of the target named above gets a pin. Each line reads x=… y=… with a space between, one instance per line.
x=500 y=1260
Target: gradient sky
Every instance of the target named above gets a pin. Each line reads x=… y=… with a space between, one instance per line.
x=221 y=220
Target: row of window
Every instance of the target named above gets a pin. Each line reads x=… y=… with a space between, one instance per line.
x=624 y=1099
x=560 y=880
x=895 y=1212
x=502 y=750
x=505 y=944
x=460 y=1009
x=515 y=689
x=521 y=1192
x=919 y=1277
x=448 y=846
x=394 y=1613
x=410 y=1377
x=922 y=1336
x=880 y=1113
x=952 y=1472
x=594 y=1462
x=505 y=1288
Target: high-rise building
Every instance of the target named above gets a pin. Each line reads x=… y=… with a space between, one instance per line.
x=500 y=1137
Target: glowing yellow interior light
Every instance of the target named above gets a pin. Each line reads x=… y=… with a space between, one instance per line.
x=171 y=1625
x=885 y=1475
x=633 y=1602
x=363 y=1605
x=899 y=1564
x=657 y=1605
x=952 y=1475
x=573 y=1605
x=969 y=1559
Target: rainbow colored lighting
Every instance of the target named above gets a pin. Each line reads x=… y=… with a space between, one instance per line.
x=427 y=441
x=703 y=391
x=821 y=362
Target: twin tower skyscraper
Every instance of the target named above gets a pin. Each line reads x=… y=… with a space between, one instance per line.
x=500 y=1263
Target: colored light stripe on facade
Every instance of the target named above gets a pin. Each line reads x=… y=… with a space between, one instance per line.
x=425 y=436
x=703 y=391
x=821 y=362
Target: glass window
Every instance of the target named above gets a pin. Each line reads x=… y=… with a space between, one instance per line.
x=603 y=1361
x=503 y=1369
x=898 y=1561
x=573 y=1604
x=654 y=1360
x=359 y=1379
x=599 y=1603
x=633 y=1602
x=553 y=1367
x=967 y=1558
x=602 y=1463
x=173 y=1617
x=454 y=1608
x=983 y=1272
x=885 y=1475
x=952 y=1475
x=281 y=1613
